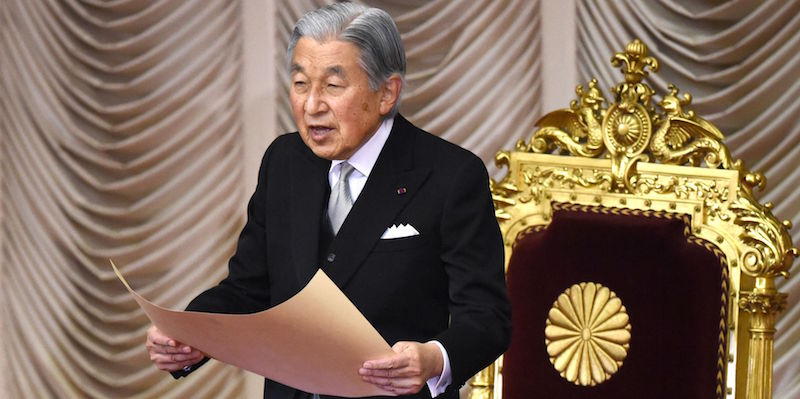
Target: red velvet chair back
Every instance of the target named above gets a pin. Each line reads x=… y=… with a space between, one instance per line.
x=673 y=286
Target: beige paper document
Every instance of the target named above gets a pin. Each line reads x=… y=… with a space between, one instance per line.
x=316 y=341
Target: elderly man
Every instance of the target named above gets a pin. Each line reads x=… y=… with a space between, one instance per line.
x=401 y=220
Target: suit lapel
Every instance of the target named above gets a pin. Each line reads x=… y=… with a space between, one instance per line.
x=392 y=183
x=308 y=194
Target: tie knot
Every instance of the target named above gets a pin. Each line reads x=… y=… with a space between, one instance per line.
x=345 y=170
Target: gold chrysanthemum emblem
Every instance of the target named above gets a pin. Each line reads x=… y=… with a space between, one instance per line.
x=587 y=334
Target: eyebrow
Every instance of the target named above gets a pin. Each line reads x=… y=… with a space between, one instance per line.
x=336 y=70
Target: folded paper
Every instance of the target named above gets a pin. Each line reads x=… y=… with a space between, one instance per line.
x=316 y=341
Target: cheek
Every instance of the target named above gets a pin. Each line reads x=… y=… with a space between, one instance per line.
x=298 y=114
x=297 y=104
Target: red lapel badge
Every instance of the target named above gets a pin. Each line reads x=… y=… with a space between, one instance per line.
x=401 y=190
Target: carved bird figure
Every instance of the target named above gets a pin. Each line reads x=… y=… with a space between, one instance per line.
x=684 y=137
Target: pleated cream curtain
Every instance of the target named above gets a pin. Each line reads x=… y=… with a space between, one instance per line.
x=121 y=137
x=740 y=60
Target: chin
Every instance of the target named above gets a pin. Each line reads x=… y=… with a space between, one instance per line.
x=324 y=153
x=319 y=149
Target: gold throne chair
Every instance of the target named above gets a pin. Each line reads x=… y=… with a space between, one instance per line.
x=639 y=262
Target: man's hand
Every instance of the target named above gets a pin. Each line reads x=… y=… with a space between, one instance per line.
x=407 y=371
x=168 y=354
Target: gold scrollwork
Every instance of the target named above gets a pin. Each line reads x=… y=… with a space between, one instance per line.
x=539 y=179
x=503 y=192
x=713 y=195
x=769 y=248
x=630 y=130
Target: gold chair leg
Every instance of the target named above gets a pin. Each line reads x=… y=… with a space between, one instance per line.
x=482 y=384
x=763 y=303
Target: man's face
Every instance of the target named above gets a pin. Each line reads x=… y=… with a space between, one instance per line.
x=335 y=109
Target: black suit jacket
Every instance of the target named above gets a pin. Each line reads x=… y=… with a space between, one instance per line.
x=447 y=283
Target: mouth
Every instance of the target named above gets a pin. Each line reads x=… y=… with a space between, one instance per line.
x=318 y=132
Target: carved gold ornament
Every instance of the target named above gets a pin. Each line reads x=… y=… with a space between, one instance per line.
x=587 y=334
x=627 y=130
x=630 y=131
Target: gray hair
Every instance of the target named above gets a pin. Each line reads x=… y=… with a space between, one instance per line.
x=371 y=30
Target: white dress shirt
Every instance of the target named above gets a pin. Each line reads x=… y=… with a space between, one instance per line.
x=363 y=160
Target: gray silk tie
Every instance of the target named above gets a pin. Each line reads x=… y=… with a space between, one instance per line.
x=341 y=201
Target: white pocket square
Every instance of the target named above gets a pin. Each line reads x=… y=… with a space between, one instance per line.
x=399 y=231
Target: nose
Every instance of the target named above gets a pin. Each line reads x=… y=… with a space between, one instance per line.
x=314 y=103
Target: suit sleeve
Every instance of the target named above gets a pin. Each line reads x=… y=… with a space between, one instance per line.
x=472 y=253
x=245 y=289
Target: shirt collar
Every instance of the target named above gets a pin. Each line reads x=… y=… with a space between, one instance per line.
x=363 y=160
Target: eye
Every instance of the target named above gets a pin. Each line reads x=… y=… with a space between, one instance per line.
x=335 y=87
x=299 y=85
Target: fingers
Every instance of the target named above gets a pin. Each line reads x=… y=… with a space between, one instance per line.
x=386 y=366
x=398 y=386
x=164 y=344
x=393 y=375
x=174 y=362
x=402 y=373
x=155 y=336
x=168 y=354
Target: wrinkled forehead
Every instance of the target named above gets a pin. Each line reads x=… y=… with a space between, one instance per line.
x=333 y=57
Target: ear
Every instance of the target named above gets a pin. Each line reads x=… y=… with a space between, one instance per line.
x=390 y=93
